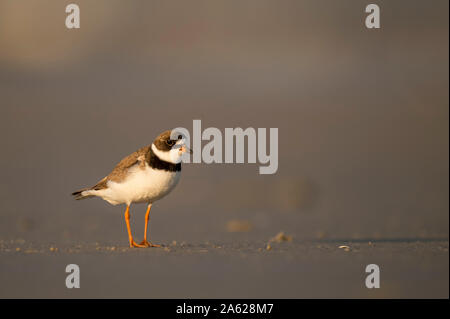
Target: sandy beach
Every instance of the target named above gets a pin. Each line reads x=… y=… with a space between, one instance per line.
x=310 y=269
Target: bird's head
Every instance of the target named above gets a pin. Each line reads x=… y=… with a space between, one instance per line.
x=169 y=146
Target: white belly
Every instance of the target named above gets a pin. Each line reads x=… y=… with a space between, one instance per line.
x=142 y=185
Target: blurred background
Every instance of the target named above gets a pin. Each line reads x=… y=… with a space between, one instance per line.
x=362 y=116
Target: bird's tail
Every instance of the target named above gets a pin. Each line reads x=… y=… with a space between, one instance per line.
x=82 y=194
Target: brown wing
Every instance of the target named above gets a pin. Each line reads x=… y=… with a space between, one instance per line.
x=120 y=171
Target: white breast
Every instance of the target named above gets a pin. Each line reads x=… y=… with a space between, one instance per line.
x=142 y=185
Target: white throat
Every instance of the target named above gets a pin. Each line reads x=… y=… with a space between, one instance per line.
x=173 y=156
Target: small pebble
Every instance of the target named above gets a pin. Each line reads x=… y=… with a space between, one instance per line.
x=280 y=237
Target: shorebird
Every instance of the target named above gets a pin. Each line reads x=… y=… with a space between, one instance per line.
x=144 y=176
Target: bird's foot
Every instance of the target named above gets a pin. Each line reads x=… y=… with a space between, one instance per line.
x=148 y=244
x=134 y=244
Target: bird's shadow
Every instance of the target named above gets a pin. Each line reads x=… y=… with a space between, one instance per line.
x=384 y=240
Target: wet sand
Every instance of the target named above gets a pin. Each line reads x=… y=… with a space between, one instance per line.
x=409 y=268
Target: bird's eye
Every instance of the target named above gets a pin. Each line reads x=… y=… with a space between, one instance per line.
x=180 y=137
x=170 y=142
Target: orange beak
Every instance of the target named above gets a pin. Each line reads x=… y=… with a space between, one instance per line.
x=185 y=149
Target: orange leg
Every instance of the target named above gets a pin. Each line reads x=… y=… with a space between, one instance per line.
x=147 y=217
x=130 y=237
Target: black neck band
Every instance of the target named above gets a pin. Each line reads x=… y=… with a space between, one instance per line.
x=155 y=162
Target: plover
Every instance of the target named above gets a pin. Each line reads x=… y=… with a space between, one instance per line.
x=144 y=176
